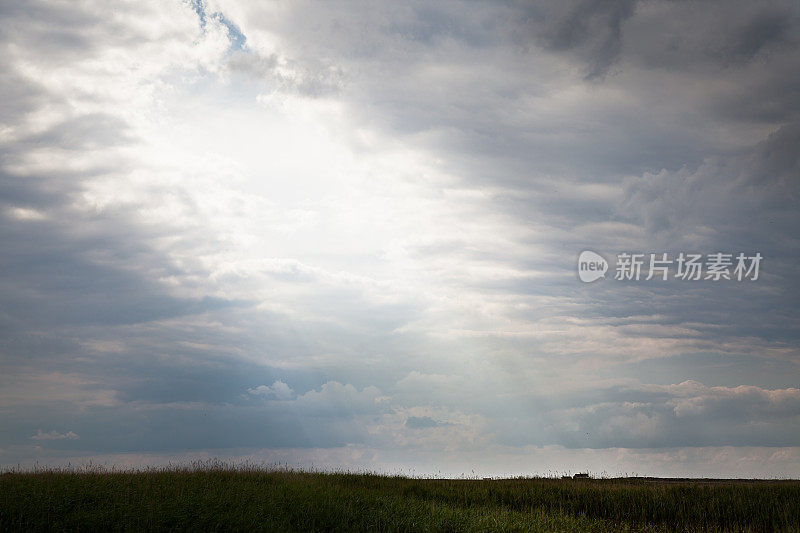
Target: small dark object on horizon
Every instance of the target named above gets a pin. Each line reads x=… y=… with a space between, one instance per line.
x=581 y=476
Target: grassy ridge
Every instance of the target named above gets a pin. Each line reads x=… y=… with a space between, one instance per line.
x=220 y=499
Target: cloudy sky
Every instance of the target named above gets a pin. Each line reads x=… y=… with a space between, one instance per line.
x=345 y=234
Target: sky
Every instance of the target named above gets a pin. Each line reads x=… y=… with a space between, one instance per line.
x=345 y=235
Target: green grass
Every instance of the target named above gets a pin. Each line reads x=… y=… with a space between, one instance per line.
x=218 y=498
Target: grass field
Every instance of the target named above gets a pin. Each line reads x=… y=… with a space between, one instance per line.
x=219 y=498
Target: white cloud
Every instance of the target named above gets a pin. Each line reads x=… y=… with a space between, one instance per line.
x=54 y=435
x=278 y=390
x=337 y=399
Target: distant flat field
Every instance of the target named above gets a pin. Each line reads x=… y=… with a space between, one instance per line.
x=223 y=499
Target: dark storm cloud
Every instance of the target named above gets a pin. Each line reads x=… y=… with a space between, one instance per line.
x=688 y=414
x=86 y=132
x=590 y=28
x=467 y=116
x=767 y=28
x=48 y=27
x=20 y=96
x=53 y=277
x=173 y=427
x=774 y=168
x=721 y=35
x=421 y=422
